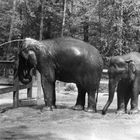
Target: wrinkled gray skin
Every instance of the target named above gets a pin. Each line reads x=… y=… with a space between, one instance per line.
x=67 y=60
x=124 y=73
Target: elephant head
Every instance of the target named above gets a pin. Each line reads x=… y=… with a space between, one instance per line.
x=119 y=68
x=27 y=61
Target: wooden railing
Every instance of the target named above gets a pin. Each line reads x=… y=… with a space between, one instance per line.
x=9 y=81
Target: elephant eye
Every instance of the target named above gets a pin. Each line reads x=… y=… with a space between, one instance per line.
x=120 y=64
x=112 y=66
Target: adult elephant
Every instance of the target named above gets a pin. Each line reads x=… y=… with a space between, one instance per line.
x=124 y=73
x=64 y=59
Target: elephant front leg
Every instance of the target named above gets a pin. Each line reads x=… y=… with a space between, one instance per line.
x=134 y=105
x=49 y=94
x=120 y=103
x=134 y=98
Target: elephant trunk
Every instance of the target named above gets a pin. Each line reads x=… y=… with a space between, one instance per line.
x=112 y=85
x=24 y=71
x=25 y=79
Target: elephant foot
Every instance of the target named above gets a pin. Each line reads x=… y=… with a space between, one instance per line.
x=103 y=112
x=47 y=108
x=78 y=107
x=120 y=111
x=54 y=107
x=133 y=111
x=90 y=110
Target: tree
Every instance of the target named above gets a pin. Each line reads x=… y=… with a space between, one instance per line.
x=40 y=38
x=64 y=16
x=112 y=26
x=12 y=20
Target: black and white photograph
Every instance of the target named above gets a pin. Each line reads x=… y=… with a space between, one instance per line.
x=69 y=69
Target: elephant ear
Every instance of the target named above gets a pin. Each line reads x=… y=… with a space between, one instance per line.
x=32 y=58
x=131 y=69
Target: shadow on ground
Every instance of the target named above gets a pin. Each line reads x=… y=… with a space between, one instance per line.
x=19 y=133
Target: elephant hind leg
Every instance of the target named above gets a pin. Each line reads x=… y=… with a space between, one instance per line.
x=122 y=96
x=91 y=101
x=80 y=103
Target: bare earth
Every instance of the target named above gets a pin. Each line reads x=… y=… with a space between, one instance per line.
x=63 y=123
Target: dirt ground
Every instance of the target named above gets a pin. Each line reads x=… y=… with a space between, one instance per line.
x=63 y=123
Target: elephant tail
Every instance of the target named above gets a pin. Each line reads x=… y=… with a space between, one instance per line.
x=96 y=98
x=97 y=95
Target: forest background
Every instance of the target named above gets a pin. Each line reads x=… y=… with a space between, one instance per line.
x=112 y=26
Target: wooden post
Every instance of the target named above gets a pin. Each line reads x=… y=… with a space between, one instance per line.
x=29 y=91
x=16 y=90
x=29 y=87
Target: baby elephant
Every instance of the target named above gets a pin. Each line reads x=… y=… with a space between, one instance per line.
x=124 y=73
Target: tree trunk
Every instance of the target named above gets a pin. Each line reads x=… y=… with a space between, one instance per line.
x=64 y=17
x=47 y=34
x=100 y=24
x=41 y=22
x=12 y=22
x=71 y=9
x=39 y=89
x=120 y=28
x=86 y=33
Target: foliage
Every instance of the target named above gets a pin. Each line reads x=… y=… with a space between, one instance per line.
x=121 y=28
x=112 y=26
